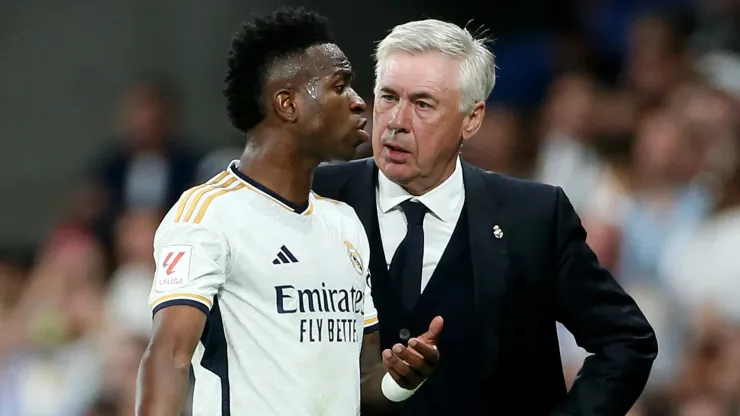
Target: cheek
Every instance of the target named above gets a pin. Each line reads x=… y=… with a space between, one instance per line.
x=433 y=143
x=426 y=140
x=376 y=137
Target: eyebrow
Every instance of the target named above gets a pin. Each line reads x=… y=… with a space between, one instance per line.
x=418 y=95
x=343 y=72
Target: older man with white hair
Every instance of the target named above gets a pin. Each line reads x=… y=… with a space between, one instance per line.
x=500 y=259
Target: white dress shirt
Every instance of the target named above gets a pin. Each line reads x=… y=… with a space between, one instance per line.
x=444 y=204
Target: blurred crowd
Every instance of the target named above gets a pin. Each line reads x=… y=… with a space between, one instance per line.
x=641 y=128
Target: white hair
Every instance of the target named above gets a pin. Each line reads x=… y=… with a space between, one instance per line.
x=477 y=67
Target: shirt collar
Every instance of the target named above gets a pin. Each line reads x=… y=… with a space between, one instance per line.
x=441 y=201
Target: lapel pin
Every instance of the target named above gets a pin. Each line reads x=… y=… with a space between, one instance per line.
x=497 y=232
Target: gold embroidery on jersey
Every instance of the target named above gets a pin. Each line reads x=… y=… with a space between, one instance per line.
x=198 y=196
x=309 y=211
x=184 y=201
x=189 y=296
x=325 y=198
x=213 y=196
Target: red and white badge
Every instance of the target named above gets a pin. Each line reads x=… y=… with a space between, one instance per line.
x=173 y=268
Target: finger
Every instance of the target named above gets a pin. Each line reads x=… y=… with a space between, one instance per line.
x=417 y=362
x=408 y=374
x=391 y=364
x=435 y=329
x=419 y=368
x=429 y=352
x=387 y=363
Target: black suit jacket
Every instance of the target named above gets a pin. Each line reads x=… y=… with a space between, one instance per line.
x=540 y=271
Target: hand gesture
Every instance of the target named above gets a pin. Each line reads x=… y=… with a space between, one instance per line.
x=410 y=366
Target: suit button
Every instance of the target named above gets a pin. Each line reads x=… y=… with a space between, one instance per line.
x=404 y=334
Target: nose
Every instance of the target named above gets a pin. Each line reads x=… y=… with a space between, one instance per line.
x=357 y=104
x=399 y=117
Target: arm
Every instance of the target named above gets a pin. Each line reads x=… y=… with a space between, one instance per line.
x=164 y=372
x=604 y=320
x=391 y=376
x=372 y=371
x=191 y=268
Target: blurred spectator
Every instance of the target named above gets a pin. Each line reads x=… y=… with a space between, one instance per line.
x=566 y=158
x=53 y=362
x=718 y=27
x=668 y=198
x=498 y=144
x=15 y=265
x=657 y=60
x=705 y=269
x=152 y=164
x=128 y=291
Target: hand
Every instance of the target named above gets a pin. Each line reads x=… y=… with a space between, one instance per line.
x=411 y=365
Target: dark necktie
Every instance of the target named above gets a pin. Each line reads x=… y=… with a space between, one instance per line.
x=407 y=261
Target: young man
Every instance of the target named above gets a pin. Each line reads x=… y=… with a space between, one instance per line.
x=259 y=283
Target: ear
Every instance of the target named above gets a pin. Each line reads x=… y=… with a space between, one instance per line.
x=473 y=120
x=285 y=105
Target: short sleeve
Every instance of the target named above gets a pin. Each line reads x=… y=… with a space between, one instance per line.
x=191 y=265
x=371 y=314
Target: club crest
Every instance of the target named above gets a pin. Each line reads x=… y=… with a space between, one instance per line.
x=354 y=257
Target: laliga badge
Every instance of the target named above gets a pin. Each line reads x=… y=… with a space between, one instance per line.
x=497 y=232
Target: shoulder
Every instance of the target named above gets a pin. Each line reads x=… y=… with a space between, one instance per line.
x=204 y=204
x=528 y=204
x=330 y=169
x=335 y=209
x=340 y=214
x=329 y=178
x=518 y=191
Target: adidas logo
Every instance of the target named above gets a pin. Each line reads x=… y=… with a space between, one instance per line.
x=284 y=256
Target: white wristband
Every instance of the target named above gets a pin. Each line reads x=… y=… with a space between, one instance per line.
x=393 y=392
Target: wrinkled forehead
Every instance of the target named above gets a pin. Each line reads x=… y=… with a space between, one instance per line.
x=327 y=58
x=407 y=73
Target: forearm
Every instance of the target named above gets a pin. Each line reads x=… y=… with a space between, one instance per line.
x=610 y=383
x=373 y=399
x=372 y=372
x=604 y=320
x=162 y=384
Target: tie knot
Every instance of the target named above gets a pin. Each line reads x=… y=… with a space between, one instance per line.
x=414 y=211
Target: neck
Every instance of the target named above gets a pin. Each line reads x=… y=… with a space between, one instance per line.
x=275 y=163
x=425 y=184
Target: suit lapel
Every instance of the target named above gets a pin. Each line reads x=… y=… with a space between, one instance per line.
x=490 y=259
x=361 y=195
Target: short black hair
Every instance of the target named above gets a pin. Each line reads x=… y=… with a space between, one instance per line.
x=257 y=46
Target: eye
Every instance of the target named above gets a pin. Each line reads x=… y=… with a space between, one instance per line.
x=388 y=97
x=423 y=105
x=340 y=87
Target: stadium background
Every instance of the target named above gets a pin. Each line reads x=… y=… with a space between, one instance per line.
x=108 y=109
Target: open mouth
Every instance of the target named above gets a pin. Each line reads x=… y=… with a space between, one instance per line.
x=396 y=154
x=395 y=148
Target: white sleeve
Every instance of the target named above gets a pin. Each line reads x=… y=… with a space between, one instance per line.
x=371 y=314
x=191 y=266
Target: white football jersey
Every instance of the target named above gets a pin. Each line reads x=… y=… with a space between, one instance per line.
x=285 y=291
